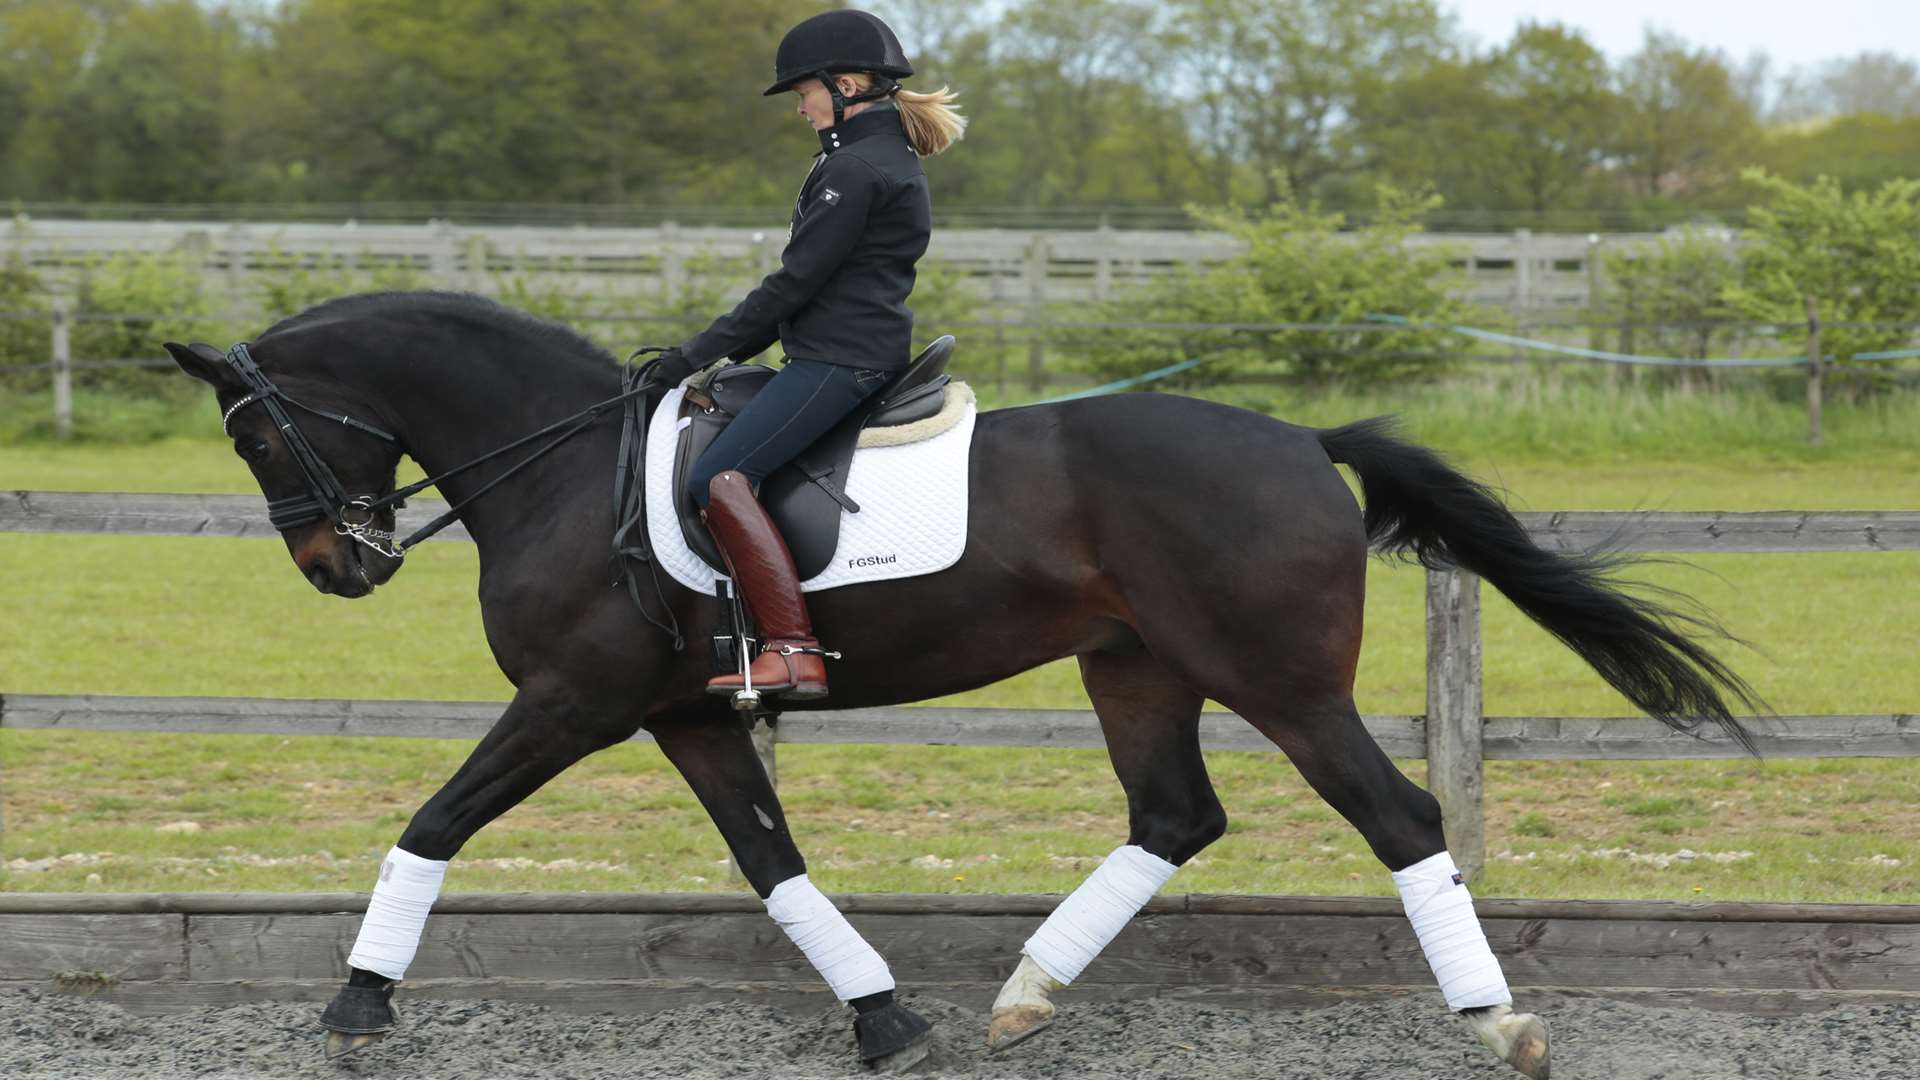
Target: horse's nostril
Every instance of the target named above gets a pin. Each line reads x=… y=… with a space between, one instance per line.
x=321 y=577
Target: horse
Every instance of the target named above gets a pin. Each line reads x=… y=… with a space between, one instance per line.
x=1179 y=549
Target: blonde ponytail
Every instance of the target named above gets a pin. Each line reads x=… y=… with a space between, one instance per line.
x=933 y=124
x=931 y=120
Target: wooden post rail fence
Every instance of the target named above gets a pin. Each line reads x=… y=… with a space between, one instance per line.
x=1521 y=269
x=1454 y=735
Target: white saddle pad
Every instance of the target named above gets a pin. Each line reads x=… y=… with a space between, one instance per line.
x=912 y=519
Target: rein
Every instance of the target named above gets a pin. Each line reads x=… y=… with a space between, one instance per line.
x=326 y=498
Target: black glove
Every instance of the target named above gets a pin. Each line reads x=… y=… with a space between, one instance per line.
x=671 y=367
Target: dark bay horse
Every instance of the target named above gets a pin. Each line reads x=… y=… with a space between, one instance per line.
x=1180 y=549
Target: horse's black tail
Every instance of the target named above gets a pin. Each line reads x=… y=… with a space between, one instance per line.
x=1419 y=507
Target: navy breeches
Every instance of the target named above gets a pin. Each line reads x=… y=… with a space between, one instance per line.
x=797 y=406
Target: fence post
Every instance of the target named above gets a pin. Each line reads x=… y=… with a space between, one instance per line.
x=62 y=363
x=474 y=251
x=1035 y=275
x=673 y=266
x=445 y=254
x=1103 y=261
x=1454 y=720
x=1814 y=373
x=1593 y=290
x=1523 y=271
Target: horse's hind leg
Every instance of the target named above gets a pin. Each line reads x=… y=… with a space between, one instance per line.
x=1151 y=723
x=1330 y=746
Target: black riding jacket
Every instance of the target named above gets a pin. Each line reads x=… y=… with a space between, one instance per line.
x=861 y=222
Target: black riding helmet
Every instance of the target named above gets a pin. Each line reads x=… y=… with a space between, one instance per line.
x=838 y=41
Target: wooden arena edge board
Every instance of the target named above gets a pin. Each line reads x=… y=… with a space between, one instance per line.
x=623 y=952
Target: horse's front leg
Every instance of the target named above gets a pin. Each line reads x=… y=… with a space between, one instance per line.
x=539 y=735
x=712 y=748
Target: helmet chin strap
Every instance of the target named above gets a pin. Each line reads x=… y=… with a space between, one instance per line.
x=841 y=101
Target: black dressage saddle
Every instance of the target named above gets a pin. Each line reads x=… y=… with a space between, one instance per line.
x=807 y=495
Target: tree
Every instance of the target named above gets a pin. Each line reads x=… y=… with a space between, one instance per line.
x=1525 y=127
x=1860 y=152
x=152 y=102
x=44 y=45
x=1870 y=82
x=1275 y=81
x=1683 y=122
x=1301 y=264
x=1850 y=258
x=543 y=100
x=1067 y=68
x=1556 y=113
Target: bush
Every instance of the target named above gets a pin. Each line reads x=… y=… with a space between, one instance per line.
x=289 y=285
x=1300 y=265
x=24 y=343
x=1852 y=259
x=1683 y=279
x=129 y=304
x=554 y=302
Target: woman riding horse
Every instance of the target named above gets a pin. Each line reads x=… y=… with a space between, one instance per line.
x=1181 y=550
x=837 y=305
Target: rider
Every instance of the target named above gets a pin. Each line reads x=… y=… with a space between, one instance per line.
x=837 y=305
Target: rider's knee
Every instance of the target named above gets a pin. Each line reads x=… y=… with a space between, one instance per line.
x=699 y=481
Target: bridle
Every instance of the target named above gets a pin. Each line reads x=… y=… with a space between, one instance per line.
x=353 y=515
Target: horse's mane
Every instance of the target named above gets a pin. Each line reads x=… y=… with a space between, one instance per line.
x=556 y=339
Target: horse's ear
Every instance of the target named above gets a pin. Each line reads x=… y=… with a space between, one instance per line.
x=203 y=362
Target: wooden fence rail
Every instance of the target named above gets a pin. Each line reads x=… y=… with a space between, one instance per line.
x=1520 y=269
x=1454 y=734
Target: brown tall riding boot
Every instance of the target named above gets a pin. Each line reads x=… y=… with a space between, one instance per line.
x=791 y=663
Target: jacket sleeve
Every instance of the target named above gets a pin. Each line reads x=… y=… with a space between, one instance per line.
x=843 y=195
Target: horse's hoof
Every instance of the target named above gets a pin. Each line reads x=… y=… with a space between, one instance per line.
x=1010 y=1027
x=358 y=1017
x=340 y=1044
x=903 y=1060
x=1530 y=1053
x=893 y=1039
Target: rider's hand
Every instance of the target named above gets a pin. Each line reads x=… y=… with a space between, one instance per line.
x=672 y=367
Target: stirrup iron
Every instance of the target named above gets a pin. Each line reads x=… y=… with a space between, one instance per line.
x=746 y=699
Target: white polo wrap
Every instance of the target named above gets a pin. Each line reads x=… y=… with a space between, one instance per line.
x=1441 y=910
x=397 y=913
x=837 y=951
x=1097 y=911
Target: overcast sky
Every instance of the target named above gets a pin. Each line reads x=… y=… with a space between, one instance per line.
x=1793 y=32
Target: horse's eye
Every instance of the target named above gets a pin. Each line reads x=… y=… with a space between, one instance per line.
x=255 y=451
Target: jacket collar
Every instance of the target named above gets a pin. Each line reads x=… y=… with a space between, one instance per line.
x=879 y=118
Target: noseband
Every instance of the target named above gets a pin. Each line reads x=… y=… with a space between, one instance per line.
x=353 y=515
x=325 y=498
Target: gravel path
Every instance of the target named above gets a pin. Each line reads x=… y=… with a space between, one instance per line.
x=1405 y=1039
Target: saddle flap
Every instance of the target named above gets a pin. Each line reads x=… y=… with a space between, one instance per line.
x=807 y=496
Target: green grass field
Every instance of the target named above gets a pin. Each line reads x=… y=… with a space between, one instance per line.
x=1835 y=633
